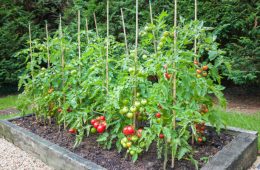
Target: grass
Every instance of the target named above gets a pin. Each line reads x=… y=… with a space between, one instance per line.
x=242 y=120
x=8 y=101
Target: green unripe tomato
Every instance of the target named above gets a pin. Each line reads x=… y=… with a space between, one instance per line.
x=73 y=72
x=124 y=145
x=132 y=152
x=161 y=44
x=144 y=57
x=125 y=110
x=131 y=70
x=158 y=120
x=142 y=109
x=137 y=104
x=166 y=33
x=124 y=140
x=142 y=144
x=163 y=39
x=125 y=101
x=145 y=118
x=133 y=109
x=134 y=138
x=137 y=94
x=143 y=101
x=93 y=130
x=139 y=118
x=130 y=115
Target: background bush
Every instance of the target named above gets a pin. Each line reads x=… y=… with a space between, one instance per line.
x=236 y=23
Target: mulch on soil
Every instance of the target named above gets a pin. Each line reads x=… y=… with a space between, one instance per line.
x=113 y=160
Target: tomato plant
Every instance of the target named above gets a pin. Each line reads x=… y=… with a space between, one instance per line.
x=137 y=108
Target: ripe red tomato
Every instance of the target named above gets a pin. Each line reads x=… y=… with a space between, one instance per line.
x=96 y=124
x=93 y=121
x=69 y=110
x=125 y=130
x=158 y=115
x=200 y=139
x=59 y=110
x=139 y=133
x=130 y=130
x=196 y=62
x=72 y=131
x=205 y=68
x=161 y=136
x=198 y=71
x=167 y=76
x=101 y=128
x=102 y=118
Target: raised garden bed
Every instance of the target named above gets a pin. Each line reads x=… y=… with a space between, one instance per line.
x=232 y=149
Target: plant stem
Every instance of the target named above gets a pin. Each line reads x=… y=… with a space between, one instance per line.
x=47 y=44
x=107 y=76
x=151 y=17
x=95 y=20
x=87 y=30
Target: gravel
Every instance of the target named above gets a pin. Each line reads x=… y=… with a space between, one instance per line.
x=256 y=165
x=13 y=158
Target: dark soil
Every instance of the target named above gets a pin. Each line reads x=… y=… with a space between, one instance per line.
x=113 y=160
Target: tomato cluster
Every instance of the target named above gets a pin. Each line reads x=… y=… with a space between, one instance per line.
x=201 y=71
x=200 y=129
x=136 y=109
x=99 y=124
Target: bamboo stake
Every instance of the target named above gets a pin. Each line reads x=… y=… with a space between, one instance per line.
x=32 y=63
x=174 y=74
x=87 y=30
x=31 y=53
x=151 y=17
x=135 y=60
x=95 y=19
x=79 y=50
x=62 y=67
x=47 y=44
x=107 y=76
x=123 y=22
x=195 y=40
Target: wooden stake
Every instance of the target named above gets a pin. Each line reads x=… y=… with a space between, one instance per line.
x=107 y=76
x=79 y=50
x=95 y=19
x=195 y=40
x=174 y=74
x=31 y=53
x=62 y=67
x=47 y=44
x=151 y=17
x=87 y=30
x=123 y=22
x=135 y=60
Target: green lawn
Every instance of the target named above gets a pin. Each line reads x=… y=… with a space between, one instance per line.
x=241 y=120
x=8 y=101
